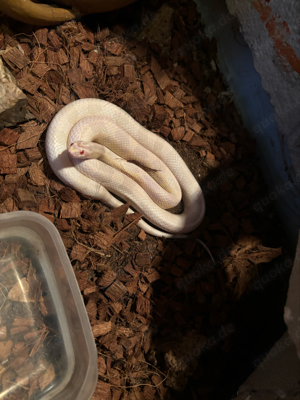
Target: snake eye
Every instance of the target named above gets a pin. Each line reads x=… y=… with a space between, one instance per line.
x=82 y=152
x=71 y=144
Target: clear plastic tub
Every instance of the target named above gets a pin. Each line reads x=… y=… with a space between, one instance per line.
x=47 y=350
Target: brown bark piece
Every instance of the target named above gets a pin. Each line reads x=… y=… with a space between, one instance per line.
x=33 y=154
x=74 y=56
x=8 y=163
x=178 y=133
x=154 y=65
x=75 y=75
x=37 y=176
x=102 y=391
x=65 y=95
x=172 y=102
x=29 y=83
x=129 y=72
x=78 y=252
x=188 y=136
x=143 y=305
x=41 y=36
x=159 y=117
x=120 y=211
x=142 y=235
x=162 y=79
x=62 y=57
x=197 y=141
x=107 y=278
x=40 y=69
x=101 y=328
x=113 y=48
x=129 y=268
x=54 y=39
x=86 y=67
x=62 y=225
x=116 y=291
x=143 y=259
x=165 y=130
x=84 y=90
x=115 y=61
x=153 y=276
x=88 y=46
x=31 y=135
x=15 y=57
x=26 y=199
x=70 y=210
x=8 y=137
x=149 y=88
x=101 y=365
x=68 y=195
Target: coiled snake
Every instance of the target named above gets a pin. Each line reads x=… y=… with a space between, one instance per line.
x=94 y=120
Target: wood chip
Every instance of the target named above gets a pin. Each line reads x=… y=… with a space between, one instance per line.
x=36 y=175
x=29 y=83
x=142 y=235
x=115 y=61
x=54 y=39
x=8 y=137
x=102 y=391
x=162 y=79
x=188 y=136
x=86 y=67
x=165 y=130
x=101 y=328
x=70 y=210
x=116 y=291
x=172 y=102
x=149 y=88
x=84 y=90
x=143 y=305
x=113 y=48
x=197 y=141
x=15 y=57
x=78 y=252
x=8 y=163
x=178 y=133
x=107 y=278
x=68 y=195
x=31 y=135
x=143 y=259
x=63 y=225
x=26 y=199
x=33 y=154
x=129 y=72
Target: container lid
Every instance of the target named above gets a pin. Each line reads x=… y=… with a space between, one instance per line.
x=47 y=349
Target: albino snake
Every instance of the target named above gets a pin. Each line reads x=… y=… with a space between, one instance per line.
x=84 y=120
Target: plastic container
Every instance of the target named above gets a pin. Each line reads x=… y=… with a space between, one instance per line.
x=47 y=350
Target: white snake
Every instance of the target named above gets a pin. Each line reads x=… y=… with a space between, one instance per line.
x=98 y=120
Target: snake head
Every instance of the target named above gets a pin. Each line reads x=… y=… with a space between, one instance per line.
x=80 y=149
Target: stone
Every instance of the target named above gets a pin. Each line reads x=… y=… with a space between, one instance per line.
x=13 y=102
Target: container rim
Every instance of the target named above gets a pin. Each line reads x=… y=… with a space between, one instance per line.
x=92 y=372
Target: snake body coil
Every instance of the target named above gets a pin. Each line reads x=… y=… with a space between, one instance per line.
x=81 y=120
